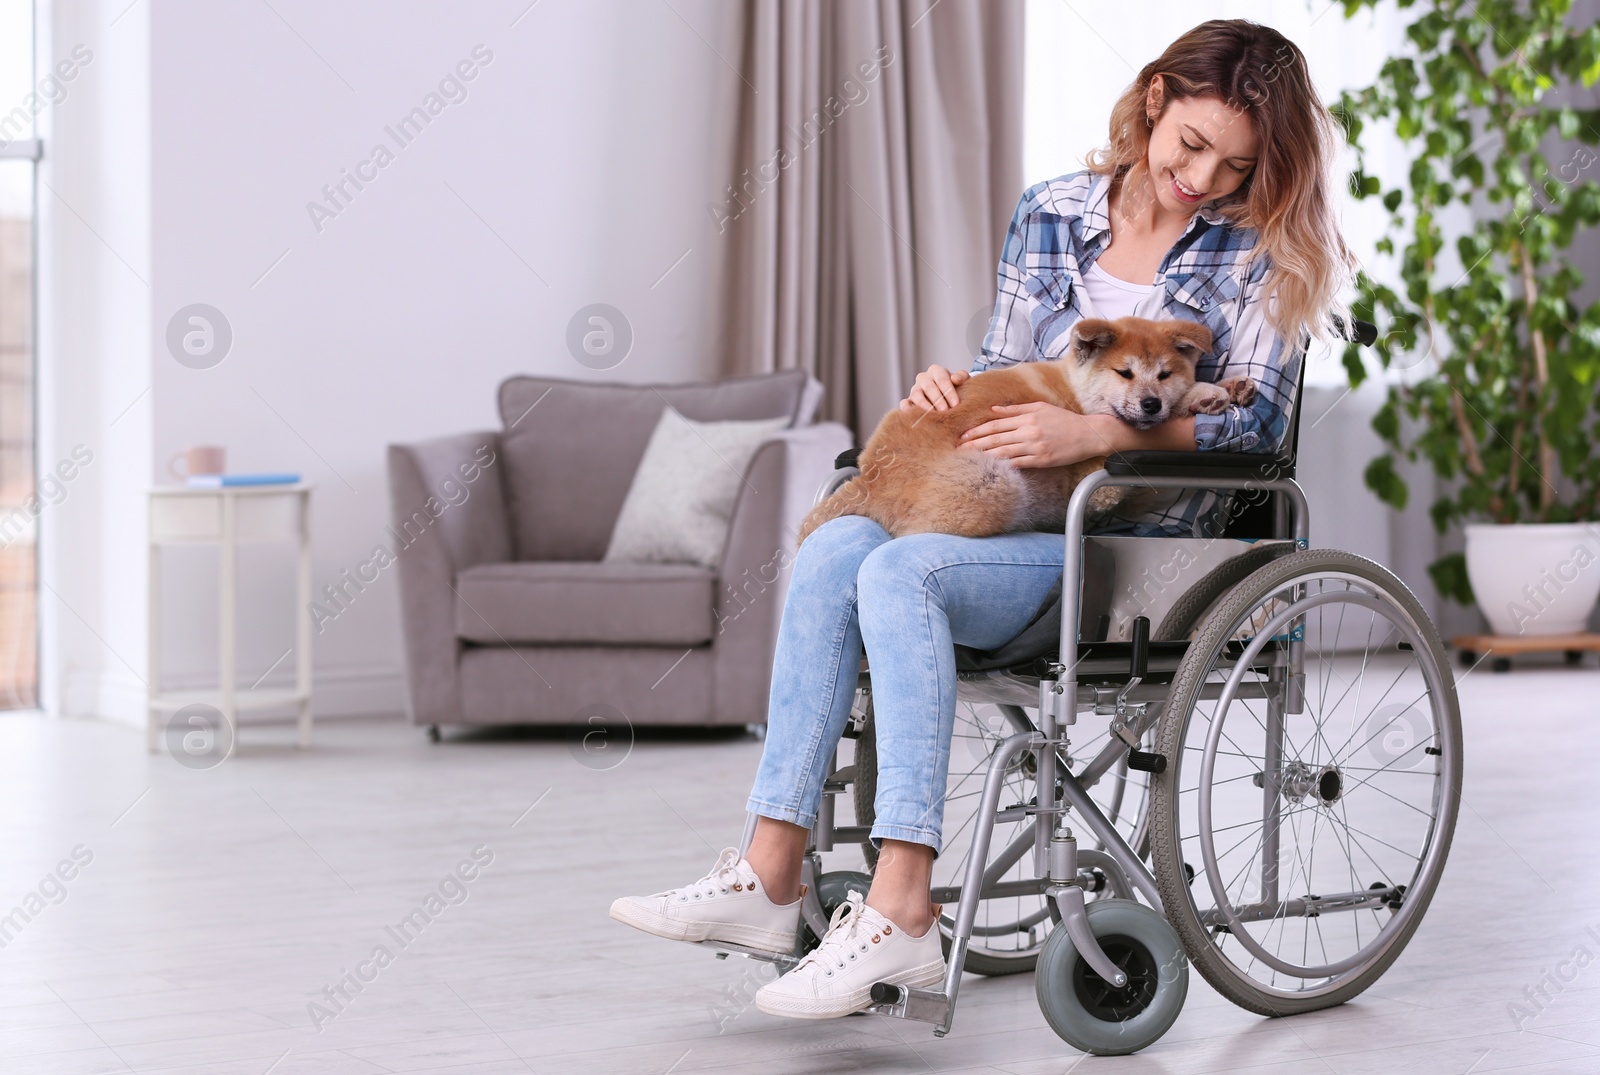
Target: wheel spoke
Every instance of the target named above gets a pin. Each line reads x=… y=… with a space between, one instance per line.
x=1349 y=619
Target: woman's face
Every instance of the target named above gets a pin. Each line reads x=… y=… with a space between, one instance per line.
x=1200 y=150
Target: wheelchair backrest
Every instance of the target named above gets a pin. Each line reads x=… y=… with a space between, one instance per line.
x=1265 y=515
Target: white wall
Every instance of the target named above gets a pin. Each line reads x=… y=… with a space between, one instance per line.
x=582 y=154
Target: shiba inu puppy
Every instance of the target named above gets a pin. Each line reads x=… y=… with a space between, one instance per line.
x=917 y=477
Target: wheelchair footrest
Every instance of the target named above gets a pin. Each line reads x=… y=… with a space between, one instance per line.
x=840 y=779
x=906 y=1002
x=785 y=961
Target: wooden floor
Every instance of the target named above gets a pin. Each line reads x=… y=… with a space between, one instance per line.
x=220 y=905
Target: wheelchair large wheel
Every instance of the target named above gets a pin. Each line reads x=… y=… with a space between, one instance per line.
x=1316 y=812
x=1010 y=930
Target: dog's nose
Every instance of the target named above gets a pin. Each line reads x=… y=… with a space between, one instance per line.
x=1150 y=404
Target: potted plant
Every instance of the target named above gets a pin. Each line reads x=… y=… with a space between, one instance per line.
x=1495 y=371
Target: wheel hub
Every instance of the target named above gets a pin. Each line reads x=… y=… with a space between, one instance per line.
x=1298 y=780
x=1330 y=785
x=1103 y=1000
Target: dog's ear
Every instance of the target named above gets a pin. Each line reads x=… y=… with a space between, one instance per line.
x=1090 y=338
x=1190 y=339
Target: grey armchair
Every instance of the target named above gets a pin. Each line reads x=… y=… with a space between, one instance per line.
x=509 y=615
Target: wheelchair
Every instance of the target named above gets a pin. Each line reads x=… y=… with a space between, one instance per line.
x=1278 y=780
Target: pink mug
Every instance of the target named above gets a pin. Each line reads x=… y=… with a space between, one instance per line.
x=200 y=459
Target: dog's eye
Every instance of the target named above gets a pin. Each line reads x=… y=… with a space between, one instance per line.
x=1163 y=375
x=1127 y=375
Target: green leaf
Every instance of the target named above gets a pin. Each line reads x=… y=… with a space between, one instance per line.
x=1387 y=422
x=1449 y=574
x=1354 y=368
x=1442 y=511
x=1391 y=200
x=1382 y=479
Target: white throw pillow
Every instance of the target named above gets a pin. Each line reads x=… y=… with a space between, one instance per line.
x=678 y=507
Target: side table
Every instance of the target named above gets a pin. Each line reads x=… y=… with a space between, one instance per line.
x=228 y=517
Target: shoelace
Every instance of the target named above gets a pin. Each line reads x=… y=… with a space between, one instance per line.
x=847 y=937
x=724 y=877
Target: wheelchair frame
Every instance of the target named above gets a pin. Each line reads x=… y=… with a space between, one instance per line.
x=1055 y=852
x=1134 y=706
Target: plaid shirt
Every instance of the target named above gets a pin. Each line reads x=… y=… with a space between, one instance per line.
x=1058 y=231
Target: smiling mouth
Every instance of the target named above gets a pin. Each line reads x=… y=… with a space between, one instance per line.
x=1185 y=192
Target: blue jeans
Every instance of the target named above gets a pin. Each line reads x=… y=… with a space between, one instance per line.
x=908 y=600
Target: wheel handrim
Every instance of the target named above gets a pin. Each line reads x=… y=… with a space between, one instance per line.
x=1322 y=786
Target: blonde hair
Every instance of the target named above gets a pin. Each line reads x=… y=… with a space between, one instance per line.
x=1257 y=72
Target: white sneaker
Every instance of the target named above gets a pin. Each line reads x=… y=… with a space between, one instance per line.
x=861 y=947
x=724 y=905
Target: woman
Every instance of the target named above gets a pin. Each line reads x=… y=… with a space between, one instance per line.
x=1215 y=185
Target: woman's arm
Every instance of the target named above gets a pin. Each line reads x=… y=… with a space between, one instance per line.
x=1174 y=435
x=1044 y=435
x=1254 y=349
x=1009 y=339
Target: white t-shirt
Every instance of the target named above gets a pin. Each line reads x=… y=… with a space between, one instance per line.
x=1110 y=297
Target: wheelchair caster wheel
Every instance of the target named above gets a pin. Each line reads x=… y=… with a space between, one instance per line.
x=1501 y=664
x=1090 y=1014
x=833 y=889
x=1572 y=656
x=433 y=733
x=1468 y=658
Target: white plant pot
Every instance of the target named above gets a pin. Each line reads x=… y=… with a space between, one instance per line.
x=1534 y=578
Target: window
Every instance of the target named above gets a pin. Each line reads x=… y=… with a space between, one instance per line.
x=20 y=101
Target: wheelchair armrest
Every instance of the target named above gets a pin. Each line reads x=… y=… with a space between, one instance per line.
x=1200 y=466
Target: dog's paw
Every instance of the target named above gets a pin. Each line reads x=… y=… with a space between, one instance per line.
x=1241 y=390
x=1206 y=398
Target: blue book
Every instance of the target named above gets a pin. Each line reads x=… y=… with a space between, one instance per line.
x=220 y=481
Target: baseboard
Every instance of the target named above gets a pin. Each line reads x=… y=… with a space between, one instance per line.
x=357 y=691
x=110 y=694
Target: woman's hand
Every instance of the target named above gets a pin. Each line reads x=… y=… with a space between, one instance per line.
x=1044 y=435
x=935 y=389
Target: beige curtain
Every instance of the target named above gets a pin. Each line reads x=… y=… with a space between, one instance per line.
x=876 y=160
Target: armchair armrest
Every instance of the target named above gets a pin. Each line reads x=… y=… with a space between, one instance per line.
x=447 y=497
x=753 y=576
x=448 y=512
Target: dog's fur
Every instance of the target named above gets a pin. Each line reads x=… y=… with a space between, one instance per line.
x=917 y=477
